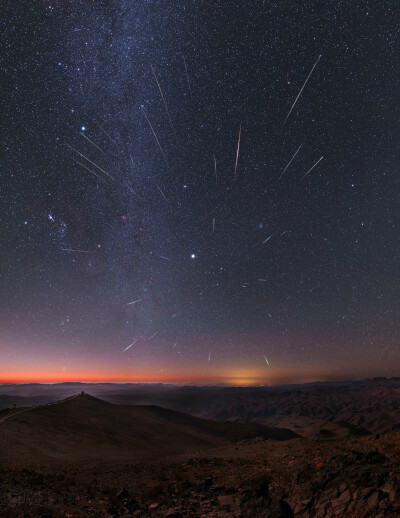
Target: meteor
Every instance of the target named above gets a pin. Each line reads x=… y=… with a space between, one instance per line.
x=91 y=141
x=86 y=158
x=302 y=88
x=130 y=345
x=166 y=199
x=309 y=171
x=266 y=360
x=90 y=171
x=155 y=136
x=164 y=101
x=187 y=76
x=291 y=160
x=105 y=132
x=75 y=250
x=238 y=147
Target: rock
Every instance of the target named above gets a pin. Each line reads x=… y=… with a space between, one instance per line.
x=375 y=498
x=173 y=513
x=226 y=500
x=123 y=494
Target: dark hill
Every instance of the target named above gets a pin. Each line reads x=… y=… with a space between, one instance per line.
x=84 y=427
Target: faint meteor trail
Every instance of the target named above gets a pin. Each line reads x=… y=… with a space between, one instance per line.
x=209 y=356
x=266 y=360
x=238 y=147
x=309 y=171
x=175 y=344
x=163 y=257
x=77 y=250
x=90 y=171
x=187 y=76
x=130 y=345
x=130 y=188
x=155 y=136
x=291 y=160
x=152 y=336
x=95 y=165
x=105 y=132
x=91 y=141
x=215 y=169
x=268 y=238
x=213 y=224
x=302 y=88
x=163 y=195
x=134 y=302
x=165 y=103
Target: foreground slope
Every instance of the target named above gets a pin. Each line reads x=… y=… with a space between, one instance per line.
x=84 y=427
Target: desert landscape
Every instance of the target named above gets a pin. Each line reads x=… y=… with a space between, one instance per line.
x=312 y=450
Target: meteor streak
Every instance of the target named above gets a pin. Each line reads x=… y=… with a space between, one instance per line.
x=134 y=302
x=291 y=160
x=302 y=88
x=238 y=147
x=187 y=76
x=309 y=171
x=152 y=336
x=155 y=136
x=266 y=360
x=166 y=199
x=75 y=250
x=104 y=131
x=99 y=168
x=130 y=345
x=90 y=171
x=164 y=101
x=91 y=141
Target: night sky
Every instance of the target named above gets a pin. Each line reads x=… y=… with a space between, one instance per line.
x=130 y=214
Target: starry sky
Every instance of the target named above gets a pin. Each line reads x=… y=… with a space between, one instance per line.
x=161 y=218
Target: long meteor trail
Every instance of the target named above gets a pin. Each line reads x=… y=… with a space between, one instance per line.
x=187 y=76
x=237 y=152
x=165 y=103
x=95 y=165
x=309 y=171
x=155 y=136
x=301 y=90
x=130 y=345
x=291 y=160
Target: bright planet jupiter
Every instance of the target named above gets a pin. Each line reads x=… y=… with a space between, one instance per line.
x=199 y=191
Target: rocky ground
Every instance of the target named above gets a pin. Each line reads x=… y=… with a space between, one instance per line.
x=358 y=477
